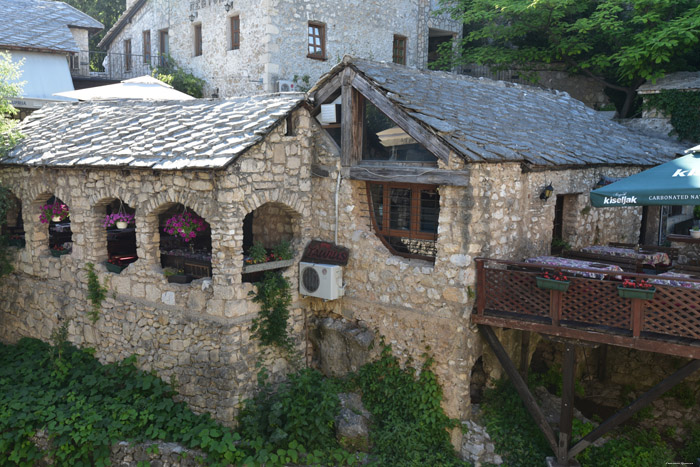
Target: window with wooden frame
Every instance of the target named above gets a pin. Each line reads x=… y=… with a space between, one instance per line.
x=317 y=41
x=197 y=40
x=235 y=24
x=405 y=217
x=399 y=50
x=127 y=55
x=147 y=47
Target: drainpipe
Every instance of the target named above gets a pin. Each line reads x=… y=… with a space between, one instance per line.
x=337 y=207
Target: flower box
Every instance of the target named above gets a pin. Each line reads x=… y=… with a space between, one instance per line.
x=552 y=284
x=267 y=266
x=57 y=253
x=180 y=278
x=644 y=294
x=114 y=268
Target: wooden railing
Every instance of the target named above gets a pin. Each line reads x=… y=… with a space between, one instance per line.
x=591 y=309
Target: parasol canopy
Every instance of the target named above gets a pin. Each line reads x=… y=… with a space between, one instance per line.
x=676 y=182
x=144 y=87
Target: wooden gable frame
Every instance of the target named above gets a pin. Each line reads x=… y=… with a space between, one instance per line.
x=354 y=89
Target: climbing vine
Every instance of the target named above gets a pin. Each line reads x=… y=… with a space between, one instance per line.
x=274 y=296
x=96 y=293
x=682 y=107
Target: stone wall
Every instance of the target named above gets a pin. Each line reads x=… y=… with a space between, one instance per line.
x=274 y=37
x=197 y=333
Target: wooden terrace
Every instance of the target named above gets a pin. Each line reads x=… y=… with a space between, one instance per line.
x=590 y=310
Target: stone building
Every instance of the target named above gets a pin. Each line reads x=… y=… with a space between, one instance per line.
x=425 y=172
x=250 y=47
x=47 y=37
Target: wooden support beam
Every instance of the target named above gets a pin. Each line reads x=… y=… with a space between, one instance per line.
x=524 y=353
x=425 y=175
x=327 y=91
x=627 y=412
x=520 y=385
x=637 y=317
x=566 y=415
x=346 y=153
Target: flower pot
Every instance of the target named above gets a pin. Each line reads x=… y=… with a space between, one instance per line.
x=180 y=279
x=114 y=268
x=57 y=253
x=695 y=233
x=551 y=284
x=122 y=224
x=55 y=218
x=643 y=294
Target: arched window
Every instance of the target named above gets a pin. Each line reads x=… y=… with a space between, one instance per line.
x=13 y=227
x=185 y=244
x=56 y=214
x=121 y=235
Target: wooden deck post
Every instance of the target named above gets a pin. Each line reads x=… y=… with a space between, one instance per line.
x=566 y=415
x=637 y=315
x=480 y=287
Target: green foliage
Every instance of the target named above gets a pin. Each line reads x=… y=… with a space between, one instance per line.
x=274 y=296
x=696 y=212
x=552 y=381
x=9 y=87
x=619 y=42
x=691 y=450
x=96 y=292
x=684 y=394
x=303 y=83
x=283 y=251
x=683 y=109
x=634 y=447
x=410 y=427
x=171 y=73
x=257 y=253
x=561 y=244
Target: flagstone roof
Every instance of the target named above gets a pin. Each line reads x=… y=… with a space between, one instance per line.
x=165 y=135
x=495 y=121
x=682 y=80
x=42 y=25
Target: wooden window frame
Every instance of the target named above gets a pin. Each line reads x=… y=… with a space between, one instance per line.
x=128 y=65
x=414 y=232
x=312 y=27
x=235 y=25
x=147 y=46
x=398 y=54
x=197 y=32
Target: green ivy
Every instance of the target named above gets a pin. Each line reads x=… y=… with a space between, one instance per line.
x=96 y=293
x=171 y=73
x=274 y=297
x=682 y=107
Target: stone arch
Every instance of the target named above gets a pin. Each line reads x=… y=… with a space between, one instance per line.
x=47 y=235
x=477 y=381
x=205 y=207
x=100 y=245
x=290 y=200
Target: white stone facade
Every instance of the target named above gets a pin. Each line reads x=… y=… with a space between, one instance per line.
x=274 y=35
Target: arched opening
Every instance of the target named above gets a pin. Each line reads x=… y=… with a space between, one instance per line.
x=13 y=228
x=477 y=381
x=185 y=244
x=120 y=229
x=268 y=239
x=56 y=214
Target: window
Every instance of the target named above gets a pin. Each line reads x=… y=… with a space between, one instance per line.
x=197 y=40
x=127 y=55
x=317 y=41
x=405 y=217
x=163 y=45
x=147 y=47
x=235 y=32
x=399 y=50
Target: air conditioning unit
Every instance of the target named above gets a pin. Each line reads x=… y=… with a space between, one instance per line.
x=321 y=280
x=286 y=86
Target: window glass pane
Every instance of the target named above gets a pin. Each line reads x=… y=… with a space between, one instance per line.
x=429 y=211
x=400 y=208
x=385 y=141
x=377 y=194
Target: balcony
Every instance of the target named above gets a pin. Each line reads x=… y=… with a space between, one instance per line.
x=111 y=66
x=590 y=310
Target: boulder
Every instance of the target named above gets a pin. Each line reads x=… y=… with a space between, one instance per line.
x=352 y=424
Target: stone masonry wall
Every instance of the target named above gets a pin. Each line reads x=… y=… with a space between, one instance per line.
x=274 y=37
x=198 y=333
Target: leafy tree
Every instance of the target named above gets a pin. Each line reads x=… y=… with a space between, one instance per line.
x=620 y=43
x=9 y=87
x=170 y=73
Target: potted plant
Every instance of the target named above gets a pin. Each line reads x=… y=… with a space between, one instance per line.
x=60 y=250
x=120 y=220
x=55 y=212
x=185 y=225
x=259 y=259
x=636 y=289
x=115 y=265
x=695 y=232
x=177 y=276
x=555 y=281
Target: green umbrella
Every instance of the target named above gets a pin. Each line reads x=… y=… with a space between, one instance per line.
x=675 y=182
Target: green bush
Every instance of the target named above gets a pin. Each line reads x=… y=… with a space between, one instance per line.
x=273 y=294
x=634 y=447
x=170 y=73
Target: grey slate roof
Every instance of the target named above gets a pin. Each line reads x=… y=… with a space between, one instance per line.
x=495 y=121
x=689 y=80
x=165 y=135
x=42 y=25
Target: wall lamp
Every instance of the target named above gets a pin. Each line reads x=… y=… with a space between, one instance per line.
x=547 y=192
x=228 y=5
x=193 y=16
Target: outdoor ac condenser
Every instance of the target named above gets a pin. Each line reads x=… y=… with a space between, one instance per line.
x=286 y=86
x=321 y=280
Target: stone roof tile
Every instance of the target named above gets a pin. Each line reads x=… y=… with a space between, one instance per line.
x=149 y=133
